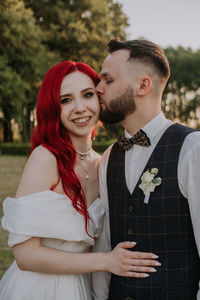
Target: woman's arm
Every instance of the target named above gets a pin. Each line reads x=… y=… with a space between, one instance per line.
x=32 y=256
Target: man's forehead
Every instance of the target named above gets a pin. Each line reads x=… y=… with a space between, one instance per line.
x=114 y=61
x=121 y=55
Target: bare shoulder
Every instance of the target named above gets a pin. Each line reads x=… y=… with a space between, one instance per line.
x=42 y=156
x=42 y=160
x=40 y=172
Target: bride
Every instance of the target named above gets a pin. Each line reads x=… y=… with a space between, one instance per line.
x=57 y=215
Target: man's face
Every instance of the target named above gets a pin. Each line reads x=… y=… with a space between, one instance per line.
x=116 y=88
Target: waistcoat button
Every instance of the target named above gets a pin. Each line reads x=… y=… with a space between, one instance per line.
x=130 y=231
x=130 y=208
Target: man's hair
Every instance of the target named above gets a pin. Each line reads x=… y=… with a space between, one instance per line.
x=145 y=51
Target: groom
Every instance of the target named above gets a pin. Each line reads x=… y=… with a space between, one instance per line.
x=133 y=78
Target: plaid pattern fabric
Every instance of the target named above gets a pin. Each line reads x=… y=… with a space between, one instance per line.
x=162 y=226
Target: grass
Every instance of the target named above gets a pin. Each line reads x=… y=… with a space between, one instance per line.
x=10 y=172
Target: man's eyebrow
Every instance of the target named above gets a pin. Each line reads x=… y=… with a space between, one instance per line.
x=104 y=75
x=83 y=91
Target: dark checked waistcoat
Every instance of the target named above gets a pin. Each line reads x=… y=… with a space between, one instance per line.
x=163 y=226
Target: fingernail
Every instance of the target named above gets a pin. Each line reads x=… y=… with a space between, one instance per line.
x=155 y=256
x=133 y=243
x=157 y=264
x=146 y=275
x=153 y=270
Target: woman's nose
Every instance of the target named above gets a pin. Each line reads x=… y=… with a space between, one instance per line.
x=80 y=106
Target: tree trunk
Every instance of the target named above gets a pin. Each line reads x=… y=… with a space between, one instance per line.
x=7 y=130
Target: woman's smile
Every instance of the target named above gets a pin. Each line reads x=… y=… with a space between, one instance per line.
x=81 y=121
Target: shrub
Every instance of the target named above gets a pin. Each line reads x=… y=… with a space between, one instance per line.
x=100 y=147
x=23 y=149
x=14 y=148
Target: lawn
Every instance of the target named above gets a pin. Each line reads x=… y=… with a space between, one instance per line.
x=10 y=172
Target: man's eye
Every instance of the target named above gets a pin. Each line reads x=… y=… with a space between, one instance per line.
x=109 y=81
x=65 y=100
x=88 y=94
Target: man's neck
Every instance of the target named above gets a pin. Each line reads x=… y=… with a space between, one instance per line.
x=135 y=121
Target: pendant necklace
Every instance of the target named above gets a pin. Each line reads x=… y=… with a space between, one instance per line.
x=82 y=155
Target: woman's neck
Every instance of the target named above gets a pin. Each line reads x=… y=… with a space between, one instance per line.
x=82 y=144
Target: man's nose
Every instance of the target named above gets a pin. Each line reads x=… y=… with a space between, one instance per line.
x=99 y=88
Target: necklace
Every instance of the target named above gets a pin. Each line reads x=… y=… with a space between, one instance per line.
x=82 y=155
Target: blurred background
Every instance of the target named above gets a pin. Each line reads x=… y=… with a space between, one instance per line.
x=35 y=35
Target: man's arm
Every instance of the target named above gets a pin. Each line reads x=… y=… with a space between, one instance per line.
x=189 y=184
x=101 y=280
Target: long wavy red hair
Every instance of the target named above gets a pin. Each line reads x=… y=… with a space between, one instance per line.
x=51 y=134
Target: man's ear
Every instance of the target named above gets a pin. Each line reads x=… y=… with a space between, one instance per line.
x=144 y=86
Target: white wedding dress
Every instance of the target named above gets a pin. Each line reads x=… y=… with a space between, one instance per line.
x=52 y=217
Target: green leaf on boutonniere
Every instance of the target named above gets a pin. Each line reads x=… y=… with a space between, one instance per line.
x=157 y=181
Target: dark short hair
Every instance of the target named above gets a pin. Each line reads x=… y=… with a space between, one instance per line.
x=145 y=51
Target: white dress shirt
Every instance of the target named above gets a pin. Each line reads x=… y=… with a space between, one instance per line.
x=135 y=161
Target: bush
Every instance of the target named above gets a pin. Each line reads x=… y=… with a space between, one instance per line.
x=100 y=147
x=23 y=149
x=15 y=148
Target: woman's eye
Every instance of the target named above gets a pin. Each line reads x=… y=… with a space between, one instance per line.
x=88 y=94
x=65 y=100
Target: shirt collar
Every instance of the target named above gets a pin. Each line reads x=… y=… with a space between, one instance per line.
x=153 y=127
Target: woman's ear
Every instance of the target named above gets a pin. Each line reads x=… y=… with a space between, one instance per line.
x=144 y=86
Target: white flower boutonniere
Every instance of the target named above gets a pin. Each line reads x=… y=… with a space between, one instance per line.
x=149 y=182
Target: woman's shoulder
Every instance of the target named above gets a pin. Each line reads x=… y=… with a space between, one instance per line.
x=40 y=172
x=42 y=155
x=41 y=160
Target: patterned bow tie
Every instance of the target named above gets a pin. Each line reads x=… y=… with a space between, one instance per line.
x=140 y=138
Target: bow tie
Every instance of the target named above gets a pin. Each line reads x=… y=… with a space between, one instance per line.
x=140 y=138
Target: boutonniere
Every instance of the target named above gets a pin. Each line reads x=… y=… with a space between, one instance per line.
x=149 y=182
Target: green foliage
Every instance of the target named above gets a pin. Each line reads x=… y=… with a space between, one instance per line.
x=100 y=147
x=23 y=62
x=80 y=29
x=182 y=95
x=15 y=148
x=24 y=148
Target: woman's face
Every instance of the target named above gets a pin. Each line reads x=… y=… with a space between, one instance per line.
x=79 y=104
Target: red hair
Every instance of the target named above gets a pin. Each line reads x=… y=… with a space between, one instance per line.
x=51 y=134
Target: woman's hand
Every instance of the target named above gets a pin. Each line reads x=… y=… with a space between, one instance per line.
x=123 y=262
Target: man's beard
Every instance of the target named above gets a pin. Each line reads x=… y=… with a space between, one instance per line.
x=119 y=108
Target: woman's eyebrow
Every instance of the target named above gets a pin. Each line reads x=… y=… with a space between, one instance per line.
x=84 y=90
x=89 y=88
x=65 y=95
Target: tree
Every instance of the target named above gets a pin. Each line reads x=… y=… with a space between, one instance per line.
x=182 y=95
x=80 y=29
x=23 y=61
